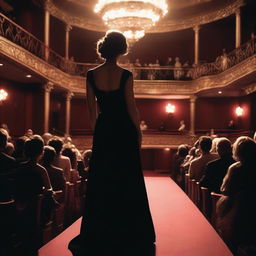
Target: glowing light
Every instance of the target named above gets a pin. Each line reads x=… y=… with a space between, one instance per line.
x=219 y=92
x=3 y=95
x=239 y=111
x=170 y=109
x=167 y=149
x=1 y=64
x=133 y=17
x=28 y=76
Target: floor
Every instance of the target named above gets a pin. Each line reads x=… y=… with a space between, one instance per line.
x=181 y=229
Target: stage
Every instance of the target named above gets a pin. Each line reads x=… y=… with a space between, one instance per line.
x=181 y=229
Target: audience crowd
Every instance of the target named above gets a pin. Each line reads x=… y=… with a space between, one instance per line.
x=45 y=167
x=230 y=171
x=36 y=171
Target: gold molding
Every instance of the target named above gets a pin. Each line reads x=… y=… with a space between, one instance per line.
x=148 y=141
x=42 y=68
x=147 y=88
x=162 y=26
x=197 y=20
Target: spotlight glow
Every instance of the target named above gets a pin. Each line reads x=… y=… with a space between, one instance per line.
x=3 y=95
x=169 y=108
x=239 y=111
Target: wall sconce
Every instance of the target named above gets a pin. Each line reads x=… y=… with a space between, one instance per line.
x=239 y=111
x=169 y=108
x=3 y=95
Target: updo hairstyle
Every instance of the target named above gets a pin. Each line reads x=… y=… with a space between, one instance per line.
x=112 y=45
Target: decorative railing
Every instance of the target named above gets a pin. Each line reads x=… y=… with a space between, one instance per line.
x=21 y=37
x=226 y=61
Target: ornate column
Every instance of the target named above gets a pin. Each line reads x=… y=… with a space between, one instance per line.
x=47 y=90
x=69 y=96
x=196 y=51
x=68 y=28
x=238 y=28
x=46 y=30
x=192 y=114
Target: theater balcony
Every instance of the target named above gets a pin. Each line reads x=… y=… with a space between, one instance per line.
x=46 y=48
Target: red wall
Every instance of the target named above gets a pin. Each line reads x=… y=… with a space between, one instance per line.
x=157 y=159
x=23 y=107
x=216 y=112
x=152 y=111
x=79 y=115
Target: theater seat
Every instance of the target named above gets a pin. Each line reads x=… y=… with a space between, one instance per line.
x=205 y=205
x=215 y=198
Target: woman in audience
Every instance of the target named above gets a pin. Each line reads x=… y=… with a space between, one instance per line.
x=236 y=209
x=71 y=154
x=60 y=161
x=18 y=153
x=56 y=174
x=178 y=159
x=31 y=179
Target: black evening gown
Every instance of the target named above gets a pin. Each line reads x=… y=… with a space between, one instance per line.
x=116 y=208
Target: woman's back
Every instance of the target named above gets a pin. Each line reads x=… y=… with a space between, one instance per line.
x=107 y=77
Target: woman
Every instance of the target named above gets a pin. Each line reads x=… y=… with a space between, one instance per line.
x=236 y=209
x=116 y=213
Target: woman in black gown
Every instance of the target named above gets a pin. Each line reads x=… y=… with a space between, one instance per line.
x=117 y=216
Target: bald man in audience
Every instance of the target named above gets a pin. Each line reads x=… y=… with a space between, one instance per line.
x=196 y=168
x=216 y=170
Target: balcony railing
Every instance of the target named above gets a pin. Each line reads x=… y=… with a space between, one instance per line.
x=21 y=37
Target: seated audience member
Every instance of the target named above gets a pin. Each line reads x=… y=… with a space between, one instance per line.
x=216 y=170
x=29 y=133
x=9 y=149
x=71 y=154
x=214 y=146
x=56 y=174
x=46 y=137
x=31 y=179
x=190 y=156
x=182 y=126
x=178 y=159
x=6 y=162
x=6 y=128
x=60 y=161
x=18 y=153
x=83 y=166
x=236 y=209
x=231 y=125
x=143 y=125
x=197 y=166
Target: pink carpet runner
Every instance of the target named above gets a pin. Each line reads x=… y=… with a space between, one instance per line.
x=181 y=229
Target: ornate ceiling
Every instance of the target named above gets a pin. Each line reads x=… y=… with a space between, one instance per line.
x=182 y=14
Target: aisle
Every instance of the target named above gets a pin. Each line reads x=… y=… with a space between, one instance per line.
x=180 y=227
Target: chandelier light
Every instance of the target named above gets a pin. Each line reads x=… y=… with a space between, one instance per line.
x=132 y=17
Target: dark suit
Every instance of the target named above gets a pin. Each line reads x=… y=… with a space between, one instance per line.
x=56 y=176
x=215 y=171
x=7 y=163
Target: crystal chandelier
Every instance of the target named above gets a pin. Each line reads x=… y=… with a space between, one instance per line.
x=132 y=17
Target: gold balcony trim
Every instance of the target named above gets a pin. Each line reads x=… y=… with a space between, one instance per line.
x=39 y=66
x=153 y=88
x=148 y=141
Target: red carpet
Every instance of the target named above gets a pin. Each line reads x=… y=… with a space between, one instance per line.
x=181 y=229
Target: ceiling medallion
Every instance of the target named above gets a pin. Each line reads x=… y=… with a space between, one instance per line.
x=132 y=17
